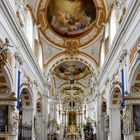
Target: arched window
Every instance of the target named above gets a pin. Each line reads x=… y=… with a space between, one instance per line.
x=29 y=32
x=40 y=57
x=102 y=55
x=113 y=26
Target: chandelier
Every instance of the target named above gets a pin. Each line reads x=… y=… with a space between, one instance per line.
x=3 y=51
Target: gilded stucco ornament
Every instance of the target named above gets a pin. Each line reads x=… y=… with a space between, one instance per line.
x=21 y=11
x=21 y=22
x=120 y=10
x=4 y=47
x=126 y=123
x=4 y=90
x=106 y=122
x=79 y=22
x=71 y=48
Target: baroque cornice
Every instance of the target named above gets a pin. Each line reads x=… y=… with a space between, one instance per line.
x=64 y=42
x=133 y=7
x=11 y=18
x=70 y=58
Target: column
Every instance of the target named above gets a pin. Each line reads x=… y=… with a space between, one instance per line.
x=77 y=118
x=66 y=118
x=63 y=119
x=80 y=120
x=83 y=116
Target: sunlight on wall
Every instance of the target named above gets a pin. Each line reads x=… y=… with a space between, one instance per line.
x=102 y=56
x=112 y=26
x=40 y=58
x=106 y=30
x=30 y=29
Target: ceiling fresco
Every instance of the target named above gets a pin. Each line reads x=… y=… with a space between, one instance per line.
x=71 y=18
x=71 y=70
x=71 y=30
x=71 y=23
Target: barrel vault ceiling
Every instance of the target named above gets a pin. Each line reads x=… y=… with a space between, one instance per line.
x=72 y=30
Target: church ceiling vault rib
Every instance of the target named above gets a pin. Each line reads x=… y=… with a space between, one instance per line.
x=71 y=42
x=71 y=80
x=71 y=70
x=61 y=58
x=71 y=32
x=69 y=62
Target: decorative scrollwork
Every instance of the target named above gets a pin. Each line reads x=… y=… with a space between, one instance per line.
x=3 y=51
x=72 y=48
x=4 y=90
x=106 y=122
x=126 y=123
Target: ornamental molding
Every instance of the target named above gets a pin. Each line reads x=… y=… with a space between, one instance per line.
x=21 y=4
x=81 y=41
x=106 y=122
x=71 y=50
x=135 y=51
x=21 y=38
x=5 y=96
x=106 y=81
x=134 y=97
x=126 y=123
x=134 y=5
x=18 y=58
x=4 y=48
x=123 y=55
x=115 y=83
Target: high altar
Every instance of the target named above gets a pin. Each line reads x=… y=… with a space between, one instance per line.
x=72 y=132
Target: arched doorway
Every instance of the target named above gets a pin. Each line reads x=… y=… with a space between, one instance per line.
x=25 y=114
x=116 y=115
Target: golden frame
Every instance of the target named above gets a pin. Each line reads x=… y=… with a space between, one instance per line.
x=100 y=18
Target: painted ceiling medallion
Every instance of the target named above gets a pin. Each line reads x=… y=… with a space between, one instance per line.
x=71 y=18
x=71 y=70
x=75 y=21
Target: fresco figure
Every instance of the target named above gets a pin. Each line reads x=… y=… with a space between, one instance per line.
x=71 y=16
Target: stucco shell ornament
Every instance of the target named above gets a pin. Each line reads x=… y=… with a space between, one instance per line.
x=71 y=21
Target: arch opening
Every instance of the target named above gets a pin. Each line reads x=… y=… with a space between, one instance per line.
x=116 y=112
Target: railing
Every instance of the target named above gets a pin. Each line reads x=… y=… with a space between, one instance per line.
x=25 y=132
